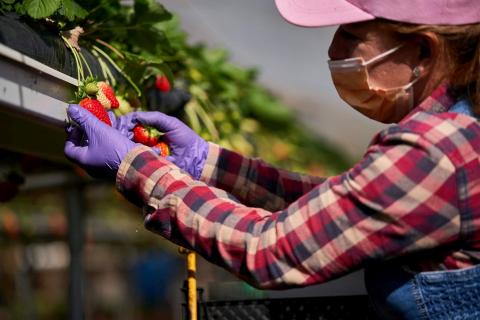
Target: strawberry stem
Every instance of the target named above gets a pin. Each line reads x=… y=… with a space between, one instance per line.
x=109 y=46
x=77 y=61
x=103 y=66
x=110 y=74
x=85 y=61
x=139 y=93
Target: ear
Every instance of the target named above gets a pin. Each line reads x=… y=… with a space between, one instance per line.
x=429 y=59
x=429 y=50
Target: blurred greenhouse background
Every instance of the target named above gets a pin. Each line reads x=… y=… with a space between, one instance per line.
x=73 y=248
x=292 y=63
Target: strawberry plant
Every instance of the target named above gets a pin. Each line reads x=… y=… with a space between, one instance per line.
x=141 y=49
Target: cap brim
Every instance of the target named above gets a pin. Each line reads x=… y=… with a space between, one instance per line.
x=320 y=13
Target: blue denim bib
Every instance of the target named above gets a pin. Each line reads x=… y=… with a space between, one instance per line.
x=397 y=293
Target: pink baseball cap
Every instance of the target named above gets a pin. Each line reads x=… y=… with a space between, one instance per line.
x=319 y=13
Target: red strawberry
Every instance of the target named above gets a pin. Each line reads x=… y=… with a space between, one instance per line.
x=106 y=96
x=96 y=108
x=163 y=147
x=146 y=135
x=162 y=84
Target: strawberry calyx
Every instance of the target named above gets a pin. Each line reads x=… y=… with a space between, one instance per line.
x=87 y=88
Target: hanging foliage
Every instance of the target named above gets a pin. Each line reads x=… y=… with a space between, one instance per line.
x=146 y=57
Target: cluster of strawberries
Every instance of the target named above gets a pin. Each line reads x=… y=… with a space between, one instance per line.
x=98 y=97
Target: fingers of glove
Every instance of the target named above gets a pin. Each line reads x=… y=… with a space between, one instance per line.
x=75 y=135
x=74 y=148
x=84 y=119
x=129 y=121
x=74 y=151
x=128 y=124
x=125 y=124
x=159 y=120
x=113 y=118
x=120 y=125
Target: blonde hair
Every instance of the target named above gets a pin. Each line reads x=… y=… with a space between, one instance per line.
x=461 y=45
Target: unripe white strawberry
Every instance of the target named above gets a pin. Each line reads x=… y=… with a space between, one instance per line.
x=102 y=98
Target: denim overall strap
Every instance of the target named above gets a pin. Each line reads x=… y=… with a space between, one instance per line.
x=396 y=293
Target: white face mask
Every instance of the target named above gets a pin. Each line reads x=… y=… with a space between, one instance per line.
x=351 y=80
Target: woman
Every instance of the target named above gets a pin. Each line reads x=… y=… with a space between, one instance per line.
x=408 y=212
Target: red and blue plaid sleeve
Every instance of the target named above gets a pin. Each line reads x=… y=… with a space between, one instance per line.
x=399 y=199
x=254 y=182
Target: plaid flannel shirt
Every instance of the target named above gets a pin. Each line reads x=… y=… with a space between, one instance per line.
x=413 y=195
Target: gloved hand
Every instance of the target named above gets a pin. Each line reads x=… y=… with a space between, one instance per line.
x=94 y=145
x=188 y=150
x=124 y=124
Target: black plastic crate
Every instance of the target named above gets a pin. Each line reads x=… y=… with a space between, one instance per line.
x=324 y=308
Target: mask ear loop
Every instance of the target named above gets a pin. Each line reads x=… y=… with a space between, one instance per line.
x=409 y=87
x=416 y=73
x=382 y=55
x=355 y=62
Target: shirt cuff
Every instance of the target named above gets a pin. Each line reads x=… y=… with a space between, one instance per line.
x=210 y=167
x=139 y=173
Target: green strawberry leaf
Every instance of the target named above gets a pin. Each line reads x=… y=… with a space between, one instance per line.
x=38 y=9
x=148 y=11
x=73 y=10
x=148 y=38
x=20 y=8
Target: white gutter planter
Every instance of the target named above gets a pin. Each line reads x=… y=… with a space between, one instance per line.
x=33 y=102
x=31 y=87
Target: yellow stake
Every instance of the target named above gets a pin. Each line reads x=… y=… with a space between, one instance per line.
x=191 y=282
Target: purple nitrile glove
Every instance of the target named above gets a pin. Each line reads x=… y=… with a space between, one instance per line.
x=124 y=124
x=94 y=145
x=188 y=151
